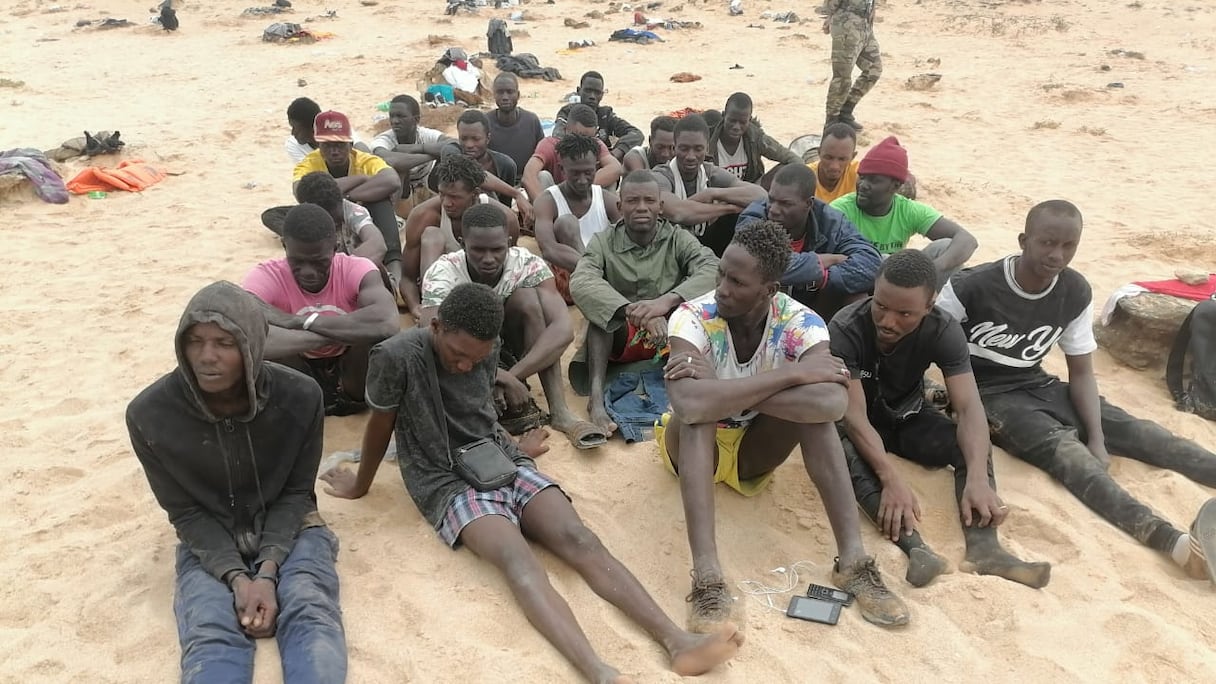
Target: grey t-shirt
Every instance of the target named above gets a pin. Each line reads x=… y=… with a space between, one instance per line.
x=519 y=141
x=395 y=378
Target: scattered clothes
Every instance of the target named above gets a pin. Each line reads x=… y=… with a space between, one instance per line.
x=576 y=24
x=526 y=65
x=1175 y=287
x=577 y=44
x=922 y=81
x=102 y=142
x=684 y=77
x=634 y=36
x=673 y=24
x=107 y=23
x=635 y=401
x=782 y=17
x=736 y=8
x=285 y=32
x=280 y=32
x=681 y=113
x=132 y=175
x=454 y=6
x=168 y=16
x=498 y=38
x=260 y=11
x=37 y=170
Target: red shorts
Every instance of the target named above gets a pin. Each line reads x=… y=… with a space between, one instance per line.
x=635 y=349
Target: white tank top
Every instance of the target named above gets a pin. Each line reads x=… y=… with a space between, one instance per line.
x=451 y=244
x=596 y=218
x=735 y=163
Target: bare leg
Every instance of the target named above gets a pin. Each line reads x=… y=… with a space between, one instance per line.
x=496 y=540
x=824 y=459
x=551 y=521
x=599 y=348
x=524 y=324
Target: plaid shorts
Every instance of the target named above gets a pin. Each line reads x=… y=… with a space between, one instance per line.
x=507 y=501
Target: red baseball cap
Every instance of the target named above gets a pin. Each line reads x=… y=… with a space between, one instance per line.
x=332 y=126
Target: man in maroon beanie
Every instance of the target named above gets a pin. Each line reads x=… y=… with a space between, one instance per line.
x=887 y=218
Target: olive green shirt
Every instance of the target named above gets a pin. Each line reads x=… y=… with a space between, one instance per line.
x=615 y=271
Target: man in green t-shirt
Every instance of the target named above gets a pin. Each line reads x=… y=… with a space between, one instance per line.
x=888 y=219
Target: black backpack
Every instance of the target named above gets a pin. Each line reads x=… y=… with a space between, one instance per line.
x=1196 y=338
x=498 y=38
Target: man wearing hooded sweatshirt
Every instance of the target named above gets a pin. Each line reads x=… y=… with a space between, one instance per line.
x=230 y=445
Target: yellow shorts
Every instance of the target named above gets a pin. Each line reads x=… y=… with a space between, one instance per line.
x=729 y=439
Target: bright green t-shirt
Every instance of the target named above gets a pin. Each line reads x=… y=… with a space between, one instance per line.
x=890 y=233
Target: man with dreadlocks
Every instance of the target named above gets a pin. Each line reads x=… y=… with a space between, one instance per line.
x=230 y=445
x=750 y=377
x=570 y=213
x=434 y=227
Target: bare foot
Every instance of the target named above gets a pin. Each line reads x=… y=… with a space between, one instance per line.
x=598 y=415
x=563 y=421
x=924 y=566
x=610 y=675
x=532 y=442
x=700 y=653
x=1001 y=563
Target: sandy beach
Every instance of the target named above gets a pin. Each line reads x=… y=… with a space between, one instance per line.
x=1024 y=112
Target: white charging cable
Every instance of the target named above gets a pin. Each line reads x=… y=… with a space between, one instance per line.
x=765 y=593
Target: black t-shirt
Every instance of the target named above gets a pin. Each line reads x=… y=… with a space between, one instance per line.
x=1009 y=330
x=504 y=168
x=518 y=141
x=894 y=382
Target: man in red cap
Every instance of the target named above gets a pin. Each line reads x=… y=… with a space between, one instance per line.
x=363 y=178
x=887 y=218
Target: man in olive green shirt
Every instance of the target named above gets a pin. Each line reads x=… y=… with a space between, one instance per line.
x=629 y=279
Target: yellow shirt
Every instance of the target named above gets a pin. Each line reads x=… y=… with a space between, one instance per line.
x=846 y=184
x=361 y=164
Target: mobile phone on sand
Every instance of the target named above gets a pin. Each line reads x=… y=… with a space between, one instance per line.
x=814 y=610
x=818 y=591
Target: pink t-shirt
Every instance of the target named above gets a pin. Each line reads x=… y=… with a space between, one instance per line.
x=273 y=283
x=546 y=150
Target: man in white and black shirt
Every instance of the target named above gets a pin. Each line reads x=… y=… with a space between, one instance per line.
x=1013 y=312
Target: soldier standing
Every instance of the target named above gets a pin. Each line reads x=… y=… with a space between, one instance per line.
x=851 y=25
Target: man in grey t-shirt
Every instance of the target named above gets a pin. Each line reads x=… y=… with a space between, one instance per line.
x=445 y=374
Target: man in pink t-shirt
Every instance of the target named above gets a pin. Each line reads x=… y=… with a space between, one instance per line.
x=326 y=309
x=544 y=168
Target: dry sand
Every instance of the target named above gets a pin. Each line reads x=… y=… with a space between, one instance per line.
x=92 y=291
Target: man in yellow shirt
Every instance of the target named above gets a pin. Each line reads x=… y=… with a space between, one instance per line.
x=836 y=168
x=362 y=177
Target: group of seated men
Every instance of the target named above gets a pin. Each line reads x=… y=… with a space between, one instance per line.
x=810 y=324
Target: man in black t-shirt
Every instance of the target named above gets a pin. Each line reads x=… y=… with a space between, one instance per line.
x=434 y=386
x=888 y=341
x=1013 y=312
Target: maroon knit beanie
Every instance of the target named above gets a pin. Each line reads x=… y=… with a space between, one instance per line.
x=887 y=158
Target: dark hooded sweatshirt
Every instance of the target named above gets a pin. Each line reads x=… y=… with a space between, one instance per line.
x=237 y=489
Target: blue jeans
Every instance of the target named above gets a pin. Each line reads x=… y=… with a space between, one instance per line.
x=312 y=643
x=630 y=410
